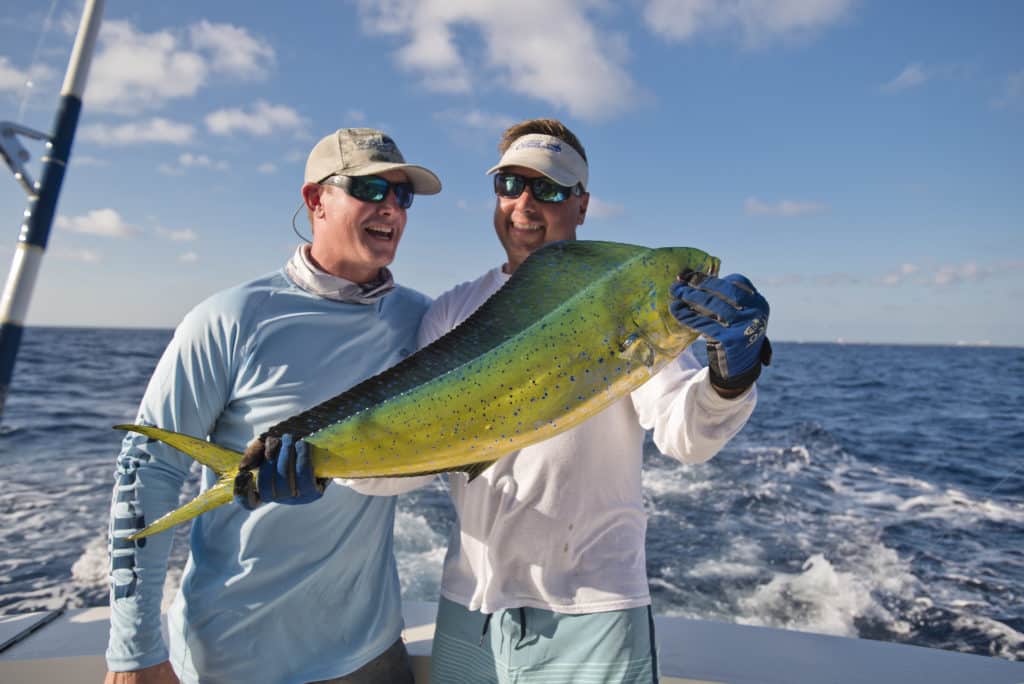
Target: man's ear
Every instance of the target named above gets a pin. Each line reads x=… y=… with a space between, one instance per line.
x=312 y=199
x=584 y=201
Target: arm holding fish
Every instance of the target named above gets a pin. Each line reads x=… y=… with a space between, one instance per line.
x=186 y=393
x=695 y=411
x=285 y=476
x=690 y=421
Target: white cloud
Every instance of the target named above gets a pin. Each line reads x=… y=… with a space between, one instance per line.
x=181 y=235
x=103 y=222
x=951 y=274
x=134 y=70
x=86 y=160
x=170 y=170
x=600 y=209
x=89 y=256
x=837 y=279
x=188 y=160
x=263 y=120
x=266 y=167
x=788 y=208
x=188 y=258
x=155 y=130
x=784 y=280
x=954 y=274
x=911 y=76
x=15 y=80
x=234 y=51
x=11 y=79
x=1013 y=91
x=757 y=22
x=907 y=274
x=917 y=74
x=355 y=116
x=475 y=118
x=899 y=276
x=550 y=51
x=67 y=22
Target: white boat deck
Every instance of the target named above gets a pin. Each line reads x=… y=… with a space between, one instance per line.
x=69 y=648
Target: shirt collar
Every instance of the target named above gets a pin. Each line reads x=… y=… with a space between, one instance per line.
x=306 y=275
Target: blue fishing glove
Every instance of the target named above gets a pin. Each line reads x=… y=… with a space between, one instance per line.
x=284 y=474
x=733 y=316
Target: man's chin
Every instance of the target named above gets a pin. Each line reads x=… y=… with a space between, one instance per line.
x=383 y=252
x=527 y=240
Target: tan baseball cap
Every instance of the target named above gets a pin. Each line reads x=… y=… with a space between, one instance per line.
x=546 y=154
x=365 y=152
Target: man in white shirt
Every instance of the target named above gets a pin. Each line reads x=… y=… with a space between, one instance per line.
x=545 y=574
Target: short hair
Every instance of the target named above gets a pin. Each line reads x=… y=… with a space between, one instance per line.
x=545 y=126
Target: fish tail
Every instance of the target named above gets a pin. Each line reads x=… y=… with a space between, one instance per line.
x=216 y=458
x=217 y=495
x=222 y=461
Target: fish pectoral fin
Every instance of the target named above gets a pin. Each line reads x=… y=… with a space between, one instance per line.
x=217 y=495
x=474 y=469
x=637 y=349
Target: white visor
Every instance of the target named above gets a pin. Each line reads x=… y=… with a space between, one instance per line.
x=546 y=154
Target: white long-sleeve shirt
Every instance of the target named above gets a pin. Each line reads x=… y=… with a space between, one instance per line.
x=560 y=525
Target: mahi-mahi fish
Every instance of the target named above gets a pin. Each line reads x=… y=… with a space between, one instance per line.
x=579 y=325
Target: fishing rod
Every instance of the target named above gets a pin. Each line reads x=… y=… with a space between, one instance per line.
x=42 y=195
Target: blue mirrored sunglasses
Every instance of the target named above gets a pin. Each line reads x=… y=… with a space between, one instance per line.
x=372 y=188
x=511 y=185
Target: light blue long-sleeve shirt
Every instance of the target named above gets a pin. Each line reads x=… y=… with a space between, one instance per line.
x=283 y=593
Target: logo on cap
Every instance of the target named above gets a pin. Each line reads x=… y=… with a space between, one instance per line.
x=538 y=144
x=382 y=144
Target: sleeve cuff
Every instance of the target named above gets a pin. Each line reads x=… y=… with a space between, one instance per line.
x=712 y=401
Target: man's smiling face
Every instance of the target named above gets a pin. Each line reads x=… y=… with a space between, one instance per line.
x=523 y=224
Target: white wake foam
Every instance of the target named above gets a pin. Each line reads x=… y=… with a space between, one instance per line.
x=420 y=555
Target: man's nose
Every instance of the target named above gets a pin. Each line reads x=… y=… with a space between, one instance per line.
x=390 y=202
x=526 y=199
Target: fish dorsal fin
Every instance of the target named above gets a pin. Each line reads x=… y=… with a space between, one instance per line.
x=543 y=282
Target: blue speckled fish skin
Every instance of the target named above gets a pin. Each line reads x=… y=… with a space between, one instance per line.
x=578 y=326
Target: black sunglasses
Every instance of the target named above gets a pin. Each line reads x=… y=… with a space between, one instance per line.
x=372 y=188
x=511 y=185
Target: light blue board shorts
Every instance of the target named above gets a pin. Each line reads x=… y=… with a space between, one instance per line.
x=530 y=645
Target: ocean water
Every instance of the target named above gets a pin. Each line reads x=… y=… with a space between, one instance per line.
x=878 y=491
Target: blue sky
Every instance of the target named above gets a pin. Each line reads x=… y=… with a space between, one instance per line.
x=861 y=161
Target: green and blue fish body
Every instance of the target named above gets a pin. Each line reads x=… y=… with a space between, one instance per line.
x=578 y=326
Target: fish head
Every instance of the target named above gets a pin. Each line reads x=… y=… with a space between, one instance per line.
x=653 y=276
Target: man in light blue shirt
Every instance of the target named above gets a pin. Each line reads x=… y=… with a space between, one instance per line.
x=283 y=594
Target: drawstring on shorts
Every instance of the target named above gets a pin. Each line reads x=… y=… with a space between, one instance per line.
x=522 y=627
x=483 y=633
